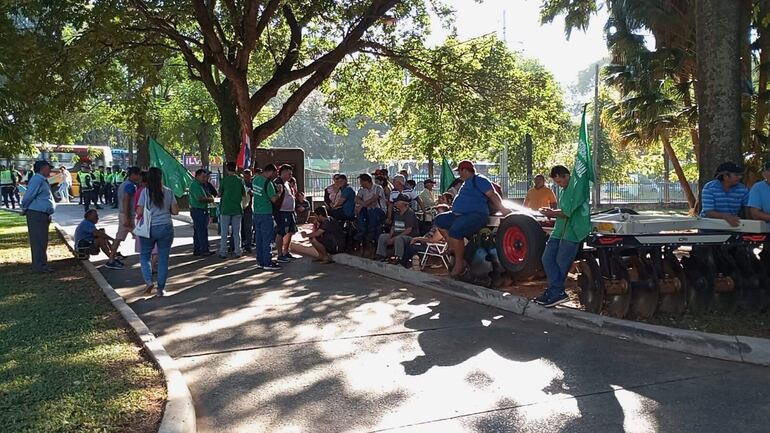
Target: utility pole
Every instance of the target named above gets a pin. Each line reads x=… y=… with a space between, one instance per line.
x=595 y=150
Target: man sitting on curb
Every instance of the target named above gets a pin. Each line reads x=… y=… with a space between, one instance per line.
x=405 y=227
x=327 y=238
x=91 y=240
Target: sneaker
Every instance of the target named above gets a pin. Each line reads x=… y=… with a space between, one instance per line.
x=555 y=300
x=293 y=256
x=260 y=267
x=119 y=256
x=161 y=293
x=113 y=265
x=222 y=257
x=541 y=299
x=272 y=267
x=282 y=259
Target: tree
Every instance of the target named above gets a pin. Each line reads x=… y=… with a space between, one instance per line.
x=460 y=100
x=719 y=84
x=245 y=52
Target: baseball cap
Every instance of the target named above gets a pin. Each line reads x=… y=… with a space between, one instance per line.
x=429 y=181
x=465 y=165
x=399 y=178
x=403 y=198
x=729 y=167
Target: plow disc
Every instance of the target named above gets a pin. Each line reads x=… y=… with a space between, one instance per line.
x=618 y=296
x=673 y=287
x=700 y=291
x=591 y=286
x=644 y=290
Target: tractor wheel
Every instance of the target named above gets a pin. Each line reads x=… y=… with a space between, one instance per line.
x=520 y=243
x=591 y=285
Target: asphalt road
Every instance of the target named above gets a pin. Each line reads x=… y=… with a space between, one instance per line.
x=325 y=348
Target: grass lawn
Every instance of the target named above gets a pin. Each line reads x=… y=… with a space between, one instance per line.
x=67 y=360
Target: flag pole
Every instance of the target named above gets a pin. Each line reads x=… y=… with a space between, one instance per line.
x=595 y=147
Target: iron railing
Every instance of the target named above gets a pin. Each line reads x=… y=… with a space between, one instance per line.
x=611 y=192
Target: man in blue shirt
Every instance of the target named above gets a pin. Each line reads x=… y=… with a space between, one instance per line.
x=344 y=207
x=725 y=196
x=38 y=206
x=470 y=213
x=92 y=240
x=759 y=197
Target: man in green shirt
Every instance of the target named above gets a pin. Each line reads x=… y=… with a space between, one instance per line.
x=231 y=192
x=264 y=231
x=199 y=211
x=573 y=224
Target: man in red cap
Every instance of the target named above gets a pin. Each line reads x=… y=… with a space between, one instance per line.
x=469 y=214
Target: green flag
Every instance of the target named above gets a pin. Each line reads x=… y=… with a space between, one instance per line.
x=175 y=176
x=574 y=199
x=447 y=175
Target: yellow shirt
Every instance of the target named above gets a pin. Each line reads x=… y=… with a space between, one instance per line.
x=537 y=198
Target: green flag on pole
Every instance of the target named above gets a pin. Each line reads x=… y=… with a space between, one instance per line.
x=574 y=199
x=175 y=176
x=447 y=175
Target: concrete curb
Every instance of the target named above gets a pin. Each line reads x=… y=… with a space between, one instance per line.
x=748 y=350
x=179 y=413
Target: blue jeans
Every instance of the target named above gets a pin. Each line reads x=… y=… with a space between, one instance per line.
x=163 y=237
x=461 y=226
x=370 y=222
x=264 y=231
x=200 y=219
x=225 y=222
x=558 y=257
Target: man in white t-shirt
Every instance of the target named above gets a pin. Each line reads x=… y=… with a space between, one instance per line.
x=285 y=218
x=372 y=204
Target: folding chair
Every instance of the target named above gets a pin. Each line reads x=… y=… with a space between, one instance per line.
x=434 y=249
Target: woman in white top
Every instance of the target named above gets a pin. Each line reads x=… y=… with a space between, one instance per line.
x=160 y=203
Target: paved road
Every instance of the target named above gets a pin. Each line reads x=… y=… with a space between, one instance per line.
x=324 y=348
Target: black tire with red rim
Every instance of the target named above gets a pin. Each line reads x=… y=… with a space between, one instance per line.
x=520 y=243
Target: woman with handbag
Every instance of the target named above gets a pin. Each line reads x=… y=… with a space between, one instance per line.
x=154 y=227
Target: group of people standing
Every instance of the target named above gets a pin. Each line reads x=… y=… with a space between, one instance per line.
x=255 y=212
x=10 y=180
x=98 y=186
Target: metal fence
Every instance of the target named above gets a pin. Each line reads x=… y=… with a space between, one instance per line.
x=611 y=192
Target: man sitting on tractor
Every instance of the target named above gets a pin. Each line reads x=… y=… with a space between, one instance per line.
x=759 y=197
x=725 y=196
x=573 y=224
x=470 y=213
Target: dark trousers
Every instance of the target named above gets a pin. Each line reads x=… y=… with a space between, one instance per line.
x=37 y=226
x=99 y=192
x=8 y=195
x=247 y=228
x=370 y=223
x=200 y=219
x=89 y=196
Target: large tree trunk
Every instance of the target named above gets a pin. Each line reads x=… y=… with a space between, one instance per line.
x=719 y=84
x=142 y=143
x=229 y=127
x=664 y=137
x=203 y=135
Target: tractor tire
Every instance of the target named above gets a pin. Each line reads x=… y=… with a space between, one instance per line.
x=520 y=243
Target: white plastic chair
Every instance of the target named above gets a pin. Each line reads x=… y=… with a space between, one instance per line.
x=434 y=249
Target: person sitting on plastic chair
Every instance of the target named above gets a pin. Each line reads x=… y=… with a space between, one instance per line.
x=89 y=240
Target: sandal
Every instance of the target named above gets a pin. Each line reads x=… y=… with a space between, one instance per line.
x=460 y=276
x=149 y=289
